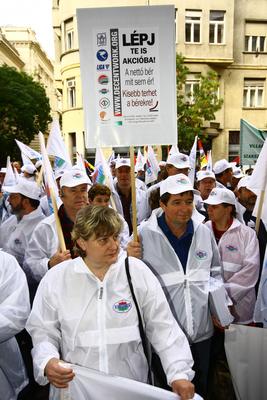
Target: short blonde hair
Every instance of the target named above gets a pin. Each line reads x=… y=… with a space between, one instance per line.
x=95 y=221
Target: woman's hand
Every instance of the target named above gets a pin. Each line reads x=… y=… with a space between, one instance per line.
x=57 y=375
x=184 y=388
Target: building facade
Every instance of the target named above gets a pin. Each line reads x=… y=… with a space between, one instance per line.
x=226 y=36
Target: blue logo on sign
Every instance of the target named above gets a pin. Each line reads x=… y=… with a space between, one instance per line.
x=102 y=55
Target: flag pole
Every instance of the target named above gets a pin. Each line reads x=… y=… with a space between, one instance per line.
x=47 y=168
x=133 y=191
x=261 y=201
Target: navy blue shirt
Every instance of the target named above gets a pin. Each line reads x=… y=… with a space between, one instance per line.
x=180 y=245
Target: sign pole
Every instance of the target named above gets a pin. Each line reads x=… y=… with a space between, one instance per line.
x=133 y=191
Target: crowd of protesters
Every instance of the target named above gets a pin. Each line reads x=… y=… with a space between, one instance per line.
x=65 y=305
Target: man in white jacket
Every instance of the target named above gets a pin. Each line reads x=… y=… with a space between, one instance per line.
x=123 y=196
x=182 y=253
x=43 y=250
x=239 y=252
x=14 y=311
x=16 y=231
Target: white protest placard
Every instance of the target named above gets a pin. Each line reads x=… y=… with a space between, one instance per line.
x=128 y=71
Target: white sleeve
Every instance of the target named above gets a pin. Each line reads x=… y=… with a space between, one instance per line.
x=246 y=278
x=14 y=297
x=43 y=326
x=41 y=247
x=162 y=330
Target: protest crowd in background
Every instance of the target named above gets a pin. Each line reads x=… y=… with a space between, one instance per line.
x=198 y=264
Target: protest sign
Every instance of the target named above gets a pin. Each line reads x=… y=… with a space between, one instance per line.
x=128 y=75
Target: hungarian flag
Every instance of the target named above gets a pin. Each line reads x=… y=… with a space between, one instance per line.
x=202 y=155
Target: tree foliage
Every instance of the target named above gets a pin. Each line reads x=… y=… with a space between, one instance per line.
x=24 y=110
x=193 y=112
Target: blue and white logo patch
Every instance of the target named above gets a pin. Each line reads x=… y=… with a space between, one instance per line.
x=201 y=255
x=231 y=248
x=122 y=306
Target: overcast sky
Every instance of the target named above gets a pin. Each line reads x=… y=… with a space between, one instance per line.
x=36 y=14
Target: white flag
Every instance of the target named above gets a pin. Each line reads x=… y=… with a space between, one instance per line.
x=152 y=166
x=10 y=177
x=140 y=161
x=258 y=182
x=55 y=144
x=27 y=151
x=192 y=160
x=260 y=313
x=209 y=165
x=174 y=150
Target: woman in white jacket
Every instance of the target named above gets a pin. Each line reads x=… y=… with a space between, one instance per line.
x=84 y=313
x=14 y=311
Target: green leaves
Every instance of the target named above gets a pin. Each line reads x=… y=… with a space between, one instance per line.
x=24 y=110
x=201 y=106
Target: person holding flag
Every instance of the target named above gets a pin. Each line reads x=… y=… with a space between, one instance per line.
x=42 y=252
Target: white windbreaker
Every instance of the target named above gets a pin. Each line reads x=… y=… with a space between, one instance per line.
x=142 y=206
x=15 y=235
x=93 y=323
x=239 y=251
x=188 y=292
x=14 y=311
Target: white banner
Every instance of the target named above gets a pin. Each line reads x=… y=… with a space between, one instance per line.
x=246 y=351
x=89 y=384
x=128 y=71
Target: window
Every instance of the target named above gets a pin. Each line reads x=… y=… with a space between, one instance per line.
x=234 y=145
x=255 y=43
x=253 y=95
x=191 y=85
x=72 y=142
x=217 y=27
x=71 y=90
x=69 y=34
x=255 y=36
x=192 y=26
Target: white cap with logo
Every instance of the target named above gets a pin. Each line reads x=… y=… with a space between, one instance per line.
x=74 y=177
x=221 y=166
x=237 y=173
x=27 y=188
x=178 y=160
x=205 y=174
x=29 y=168
x=176 y=184
x=123 y=162
x=219 y=196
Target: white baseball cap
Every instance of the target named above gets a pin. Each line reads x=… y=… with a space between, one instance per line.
x=237 y=173
x=244 y=182
x=27 y=188
x=178 y=160
x=176 y=184
x=73 y=177
x=38 y=163
x=219 y=196
x=29 y=168
x=221 y=166
x=205 y=174
x=123 y=162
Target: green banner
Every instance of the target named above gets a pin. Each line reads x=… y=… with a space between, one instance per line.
x=251 y=142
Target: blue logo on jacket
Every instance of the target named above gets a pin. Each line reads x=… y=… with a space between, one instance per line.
x=201 y=254
x=231 y=248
